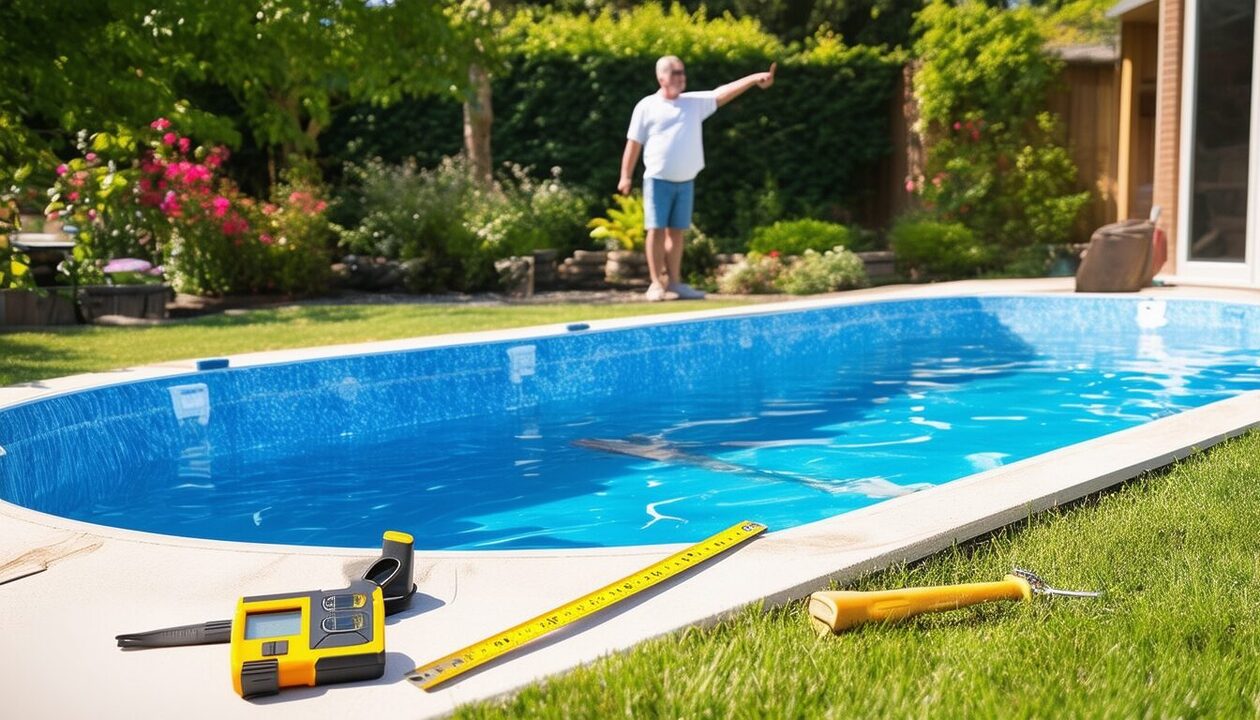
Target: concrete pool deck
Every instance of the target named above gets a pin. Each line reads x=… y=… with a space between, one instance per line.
x=66 y=588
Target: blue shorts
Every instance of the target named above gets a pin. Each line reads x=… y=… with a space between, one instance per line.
x=667 y=204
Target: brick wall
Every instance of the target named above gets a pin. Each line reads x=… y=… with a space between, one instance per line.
x=1168 y=122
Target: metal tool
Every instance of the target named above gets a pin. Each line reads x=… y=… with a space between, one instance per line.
x=1039 y=586
x=837 y=610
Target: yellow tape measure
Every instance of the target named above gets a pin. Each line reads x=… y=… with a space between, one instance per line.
x=479 y=653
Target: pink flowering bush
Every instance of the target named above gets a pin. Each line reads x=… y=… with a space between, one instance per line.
x=156 y=196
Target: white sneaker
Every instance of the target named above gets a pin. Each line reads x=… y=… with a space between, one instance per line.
x=656 y=293
x=686 y=292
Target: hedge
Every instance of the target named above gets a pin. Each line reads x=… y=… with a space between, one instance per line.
x=569 y=84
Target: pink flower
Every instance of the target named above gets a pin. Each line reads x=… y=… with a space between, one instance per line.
x=74 y=196
x=90 y=157
x=91 y=214
x=62 y=169
x=170 y=138
x=127 y=265
x=774 y=253
x=52 y=215
x=184 y=144
x=196 y=173
x=221 y=205
x=957 y=125
x=145 y=184
x=170 y=204
x=975 y=134
x=234 y=225
x=265 y=239
x=909 y=185
x=160 y=124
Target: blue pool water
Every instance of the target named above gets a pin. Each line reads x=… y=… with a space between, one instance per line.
x=653 y=434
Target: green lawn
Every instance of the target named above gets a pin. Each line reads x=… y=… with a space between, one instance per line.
x=28 y=356
x=1177 y=634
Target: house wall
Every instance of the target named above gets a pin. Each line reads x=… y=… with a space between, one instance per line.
x=1087 y=104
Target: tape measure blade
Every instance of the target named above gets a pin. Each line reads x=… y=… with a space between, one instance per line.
x=479 y=653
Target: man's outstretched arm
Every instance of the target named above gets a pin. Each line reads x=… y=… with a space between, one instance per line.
x=629 y=159
x=732 y=90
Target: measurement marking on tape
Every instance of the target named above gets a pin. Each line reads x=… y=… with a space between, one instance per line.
x=483 y=651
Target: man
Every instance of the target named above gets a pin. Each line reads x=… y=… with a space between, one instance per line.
x=667 y=124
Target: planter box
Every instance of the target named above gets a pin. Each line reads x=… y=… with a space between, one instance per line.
x=133 y=301
x=24 y=307
x=626 y=265
x=879 y=263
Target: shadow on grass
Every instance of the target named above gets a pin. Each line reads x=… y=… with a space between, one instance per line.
x=27 y=358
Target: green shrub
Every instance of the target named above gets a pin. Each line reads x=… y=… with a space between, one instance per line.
x=757 y=275
x=298 y=237
x=624 y=228
x=699 y=262
x=412 y=213
x=937 y=249
x=829 y=271
x=15 y=266
x=450 y=228
x=523 y=214
x=994 y=160
x=794 y=237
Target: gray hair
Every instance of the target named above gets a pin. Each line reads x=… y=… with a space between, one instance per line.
x=665 y=63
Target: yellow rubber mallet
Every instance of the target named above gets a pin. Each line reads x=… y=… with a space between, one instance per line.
x=837 y=610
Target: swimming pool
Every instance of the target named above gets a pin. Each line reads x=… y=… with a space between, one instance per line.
x=657 y=433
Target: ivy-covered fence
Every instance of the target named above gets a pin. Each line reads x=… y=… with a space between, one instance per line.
x=564 y=95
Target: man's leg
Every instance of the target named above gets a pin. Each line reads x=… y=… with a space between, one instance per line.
x=679 y=223
x=674 y=253
x=656 y=248
x=657 y=201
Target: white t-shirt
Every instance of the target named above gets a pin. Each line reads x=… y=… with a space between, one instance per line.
x=669 y=130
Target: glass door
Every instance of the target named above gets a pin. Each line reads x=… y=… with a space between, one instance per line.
x=1219 y=143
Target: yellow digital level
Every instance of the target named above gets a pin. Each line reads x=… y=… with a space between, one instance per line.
x=305 y=638
x=308 y=638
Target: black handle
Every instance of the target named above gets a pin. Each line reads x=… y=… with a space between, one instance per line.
x=207 y=633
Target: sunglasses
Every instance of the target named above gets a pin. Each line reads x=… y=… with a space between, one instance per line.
x=678 y=73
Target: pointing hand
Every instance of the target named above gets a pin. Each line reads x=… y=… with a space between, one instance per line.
x=766 y=79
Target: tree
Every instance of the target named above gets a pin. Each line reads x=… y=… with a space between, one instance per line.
x=290 y=63
x=286 y=63
x=114 y=64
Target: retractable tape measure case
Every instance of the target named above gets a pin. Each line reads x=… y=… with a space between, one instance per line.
x=308 y=638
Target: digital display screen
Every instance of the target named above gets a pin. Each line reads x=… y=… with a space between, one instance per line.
x=272 y=624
